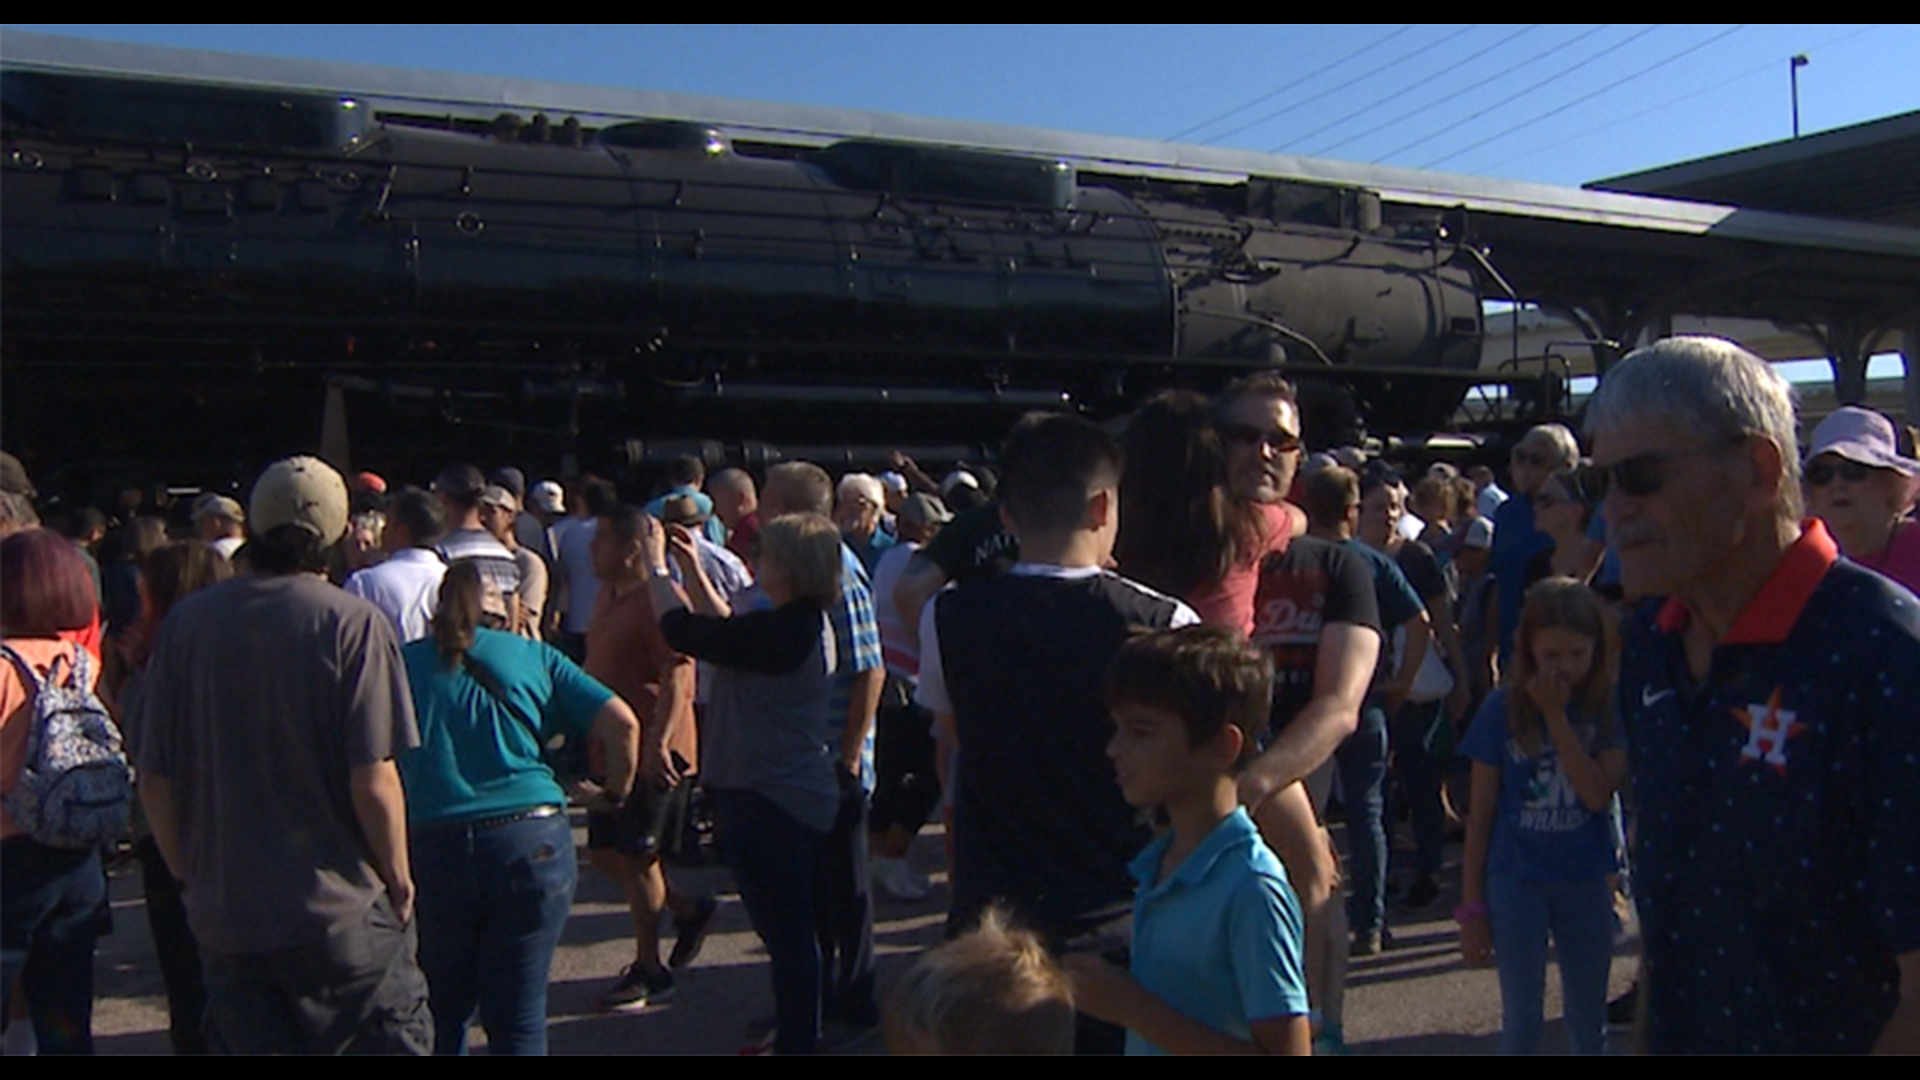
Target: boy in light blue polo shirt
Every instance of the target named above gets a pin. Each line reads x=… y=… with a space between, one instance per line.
x=1216 y=957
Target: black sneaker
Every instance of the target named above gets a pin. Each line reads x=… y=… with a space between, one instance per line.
x=1367 y=943
x=636 y=990
x=1421 y=894
x=691 y=933
x=1621 y=1011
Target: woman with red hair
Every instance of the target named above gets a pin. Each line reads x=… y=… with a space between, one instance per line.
x=54 y=899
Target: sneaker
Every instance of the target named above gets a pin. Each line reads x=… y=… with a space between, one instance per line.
x=1368 y=943
x=1329 y=1041
x=636 y=990
x=691 y=933
x=1421 y=894
x=899 y=880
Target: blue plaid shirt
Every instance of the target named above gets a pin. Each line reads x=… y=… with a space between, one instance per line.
x=856 y=634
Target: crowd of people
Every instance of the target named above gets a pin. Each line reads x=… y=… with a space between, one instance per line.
x=1135 y=669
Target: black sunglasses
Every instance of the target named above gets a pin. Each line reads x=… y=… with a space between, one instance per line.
x=1280 y=442
x=1645 y=474
x=1821 y=473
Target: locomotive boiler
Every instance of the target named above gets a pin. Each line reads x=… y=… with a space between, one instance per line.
x=191 y=270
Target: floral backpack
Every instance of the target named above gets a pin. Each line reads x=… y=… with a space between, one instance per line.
x=76 y=788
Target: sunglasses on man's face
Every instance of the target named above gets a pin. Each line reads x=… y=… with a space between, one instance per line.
x=1645 y=474
x=1280 y=442
x=1528 y=457
x=1821 y=473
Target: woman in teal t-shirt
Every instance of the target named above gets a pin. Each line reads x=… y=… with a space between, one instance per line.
x=492 y=852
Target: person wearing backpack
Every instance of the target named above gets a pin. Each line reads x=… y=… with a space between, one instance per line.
x=55 y=897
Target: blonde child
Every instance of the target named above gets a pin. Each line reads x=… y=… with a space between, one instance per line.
x=993 y=990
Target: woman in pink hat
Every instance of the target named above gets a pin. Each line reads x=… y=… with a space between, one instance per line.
x=1860 y=485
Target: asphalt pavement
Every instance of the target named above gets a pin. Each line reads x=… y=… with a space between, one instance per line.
x=1415 y=998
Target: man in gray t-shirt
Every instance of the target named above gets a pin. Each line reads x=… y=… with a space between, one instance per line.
x=265 y=728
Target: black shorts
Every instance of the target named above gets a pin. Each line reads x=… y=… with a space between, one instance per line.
x=906 y=785
x=648 y=826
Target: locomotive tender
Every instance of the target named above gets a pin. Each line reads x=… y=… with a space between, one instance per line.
x=197 y=267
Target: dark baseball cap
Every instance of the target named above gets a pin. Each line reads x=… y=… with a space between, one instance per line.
x=462 y=482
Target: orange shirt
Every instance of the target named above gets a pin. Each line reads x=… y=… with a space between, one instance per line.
x=16 y=710
x=626 y=651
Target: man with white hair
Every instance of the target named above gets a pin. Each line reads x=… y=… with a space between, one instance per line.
x=1770 y=690
x=859 y=501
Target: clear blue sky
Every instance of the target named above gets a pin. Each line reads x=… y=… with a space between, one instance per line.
x=1560 y=104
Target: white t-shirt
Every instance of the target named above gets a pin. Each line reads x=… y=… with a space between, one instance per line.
x=406 y=588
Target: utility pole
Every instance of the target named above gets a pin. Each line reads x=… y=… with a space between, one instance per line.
x=1793 y=78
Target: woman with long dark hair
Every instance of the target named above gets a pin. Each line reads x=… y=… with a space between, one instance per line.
x=1193 y=526
x=492 y=852
x=1182 y=529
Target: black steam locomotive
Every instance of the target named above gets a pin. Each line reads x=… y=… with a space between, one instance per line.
x=194 y=270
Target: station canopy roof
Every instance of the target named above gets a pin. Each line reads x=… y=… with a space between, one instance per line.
x=1866 y=172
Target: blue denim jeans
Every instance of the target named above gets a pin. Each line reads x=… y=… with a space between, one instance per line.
x=1579 y=915
x=772 y=856
x=51 y=910
x=1419 y=748
x=1363 y=782
x=492 y=902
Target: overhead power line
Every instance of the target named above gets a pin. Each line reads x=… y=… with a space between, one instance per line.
x=1770 y=64
x=1557 y=110
x=1311 y=98
x=1516 y=96
x=1405 y=90
x=1462 y=92
x=1271 y=94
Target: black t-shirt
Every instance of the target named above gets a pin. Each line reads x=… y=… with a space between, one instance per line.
x=1039 y=821
x=1422 y=568
x=1311 y=584
x=974 y=546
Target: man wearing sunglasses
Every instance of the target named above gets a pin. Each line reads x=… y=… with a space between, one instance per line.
x=1771 y=695
x=1314 y=606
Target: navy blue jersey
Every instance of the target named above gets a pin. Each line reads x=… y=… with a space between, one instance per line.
x=1779 y=802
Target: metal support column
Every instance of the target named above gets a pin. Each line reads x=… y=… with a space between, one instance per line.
x=1910 y=358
